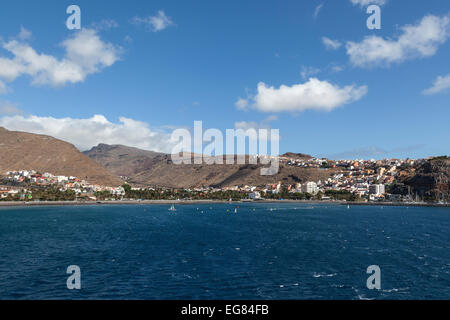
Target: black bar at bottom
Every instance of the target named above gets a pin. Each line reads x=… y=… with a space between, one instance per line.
x=233 y=309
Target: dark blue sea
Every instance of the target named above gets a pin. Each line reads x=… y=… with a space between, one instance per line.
x=264 y=251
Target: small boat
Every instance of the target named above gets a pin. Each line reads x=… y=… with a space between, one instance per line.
x=348 y=206
x=235 y=210
x=172 y=208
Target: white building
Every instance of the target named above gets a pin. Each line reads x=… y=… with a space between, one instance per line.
x=255 y=195
x=377 y=189
x=119 y=191
x=62 y=179
x=310 y=187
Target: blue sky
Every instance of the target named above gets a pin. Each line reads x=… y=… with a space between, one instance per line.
x=374 y=98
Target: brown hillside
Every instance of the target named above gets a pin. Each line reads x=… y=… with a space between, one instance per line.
x=122 y=160
x=431 y=180
x=145 y=168
x=27 y=151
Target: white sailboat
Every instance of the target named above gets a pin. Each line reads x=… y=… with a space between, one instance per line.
x=172 y=208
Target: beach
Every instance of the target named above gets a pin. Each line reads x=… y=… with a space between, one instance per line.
x=187 y=202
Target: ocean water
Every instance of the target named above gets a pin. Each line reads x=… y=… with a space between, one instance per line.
x=264 y=251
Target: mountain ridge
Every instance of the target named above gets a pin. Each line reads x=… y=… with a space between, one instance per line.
x=147 y=168
x=29 y=151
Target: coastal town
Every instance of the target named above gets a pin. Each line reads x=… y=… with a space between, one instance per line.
x=349 y=180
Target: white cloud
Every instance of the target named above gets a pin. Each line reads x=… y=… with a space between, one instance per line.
x=331 y=44
x=10 y=69
x=359 y=153
x=313 y=94
x=85 y=54
x=105 y=24
x=317 y=10
x=242 y=103
x=365 y=3
x=24 y=34
x=337 y=68
x=246 y=125
x=155 y=23
x=253 y=125
x=89 y=52
x=440 y=84
x=264 y=124
x=308 y=71
x=415 y=41
x=9 y=109
x=270 y=118
x=3 y=88
x=128 y=39
x=87 y=133
x=374 y=152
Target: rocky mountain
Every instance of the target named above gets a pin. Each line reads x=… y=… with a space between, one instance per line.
x=431 y=179
x=293 y=155
x=122 y=160
x=27 y=151
x=146 y=168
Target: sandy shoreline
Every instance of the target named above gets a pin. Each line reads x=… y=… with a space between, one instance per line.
x=187 y=202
